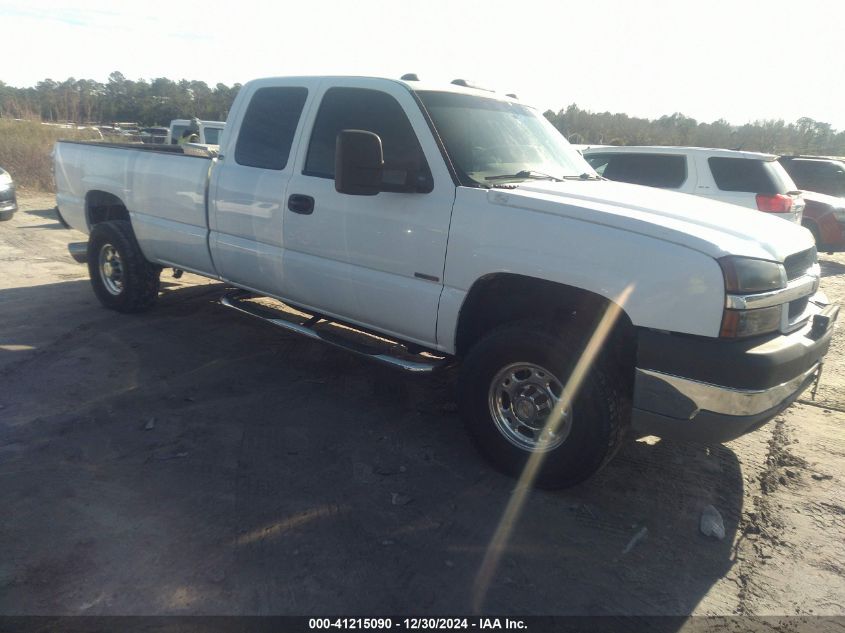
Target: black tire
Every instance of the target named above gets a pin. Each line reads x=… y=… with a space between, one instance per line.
x=138 y=285
x=599 y=418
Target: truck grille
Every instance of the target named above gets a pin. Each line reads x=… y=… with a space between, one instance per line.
x=797 y=264
x=797 y=307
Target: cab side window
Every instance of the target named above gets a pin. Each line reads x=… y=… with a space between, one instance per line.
x=405 y=167
x=268 y=127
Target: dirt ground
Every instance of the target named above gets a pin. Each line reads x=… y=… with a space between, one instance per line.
x=193 y=461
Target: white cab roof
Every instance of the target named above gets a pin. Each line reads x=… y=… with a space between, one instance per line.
x=411 y=85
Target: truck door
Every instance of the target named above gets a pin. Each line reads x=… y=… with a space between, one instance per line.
x=247 y=189
x=372 y=260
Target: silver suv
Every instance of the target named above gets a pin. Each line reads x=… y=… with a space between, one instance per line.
x=748 y=179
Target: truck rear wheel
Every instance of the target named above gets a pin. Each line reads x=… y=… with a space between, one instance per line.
x=122 y=279
x=511 y=383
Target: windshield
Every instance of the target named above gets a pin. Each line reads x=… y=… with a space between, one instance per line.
x=488 y=139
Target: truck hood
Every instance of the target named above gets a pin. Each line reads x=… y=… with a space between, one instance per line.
x=714 y=228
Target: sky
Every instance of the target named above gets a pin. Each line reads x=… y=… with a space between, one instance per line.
x=737 y=60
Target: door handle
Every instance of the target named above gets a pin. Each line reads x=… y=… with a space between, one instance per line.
x=299 y=203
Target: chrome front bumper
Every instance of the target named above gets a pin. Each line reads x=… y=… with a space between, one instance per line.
x=708 y=413
x=715 y=392
x=656 y=391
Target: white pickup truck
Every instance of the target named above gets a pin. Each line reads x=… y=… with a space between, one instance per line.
x=425 y=225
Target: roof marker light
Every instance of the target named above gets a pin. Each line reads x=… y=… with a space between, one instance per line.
x=469 y=84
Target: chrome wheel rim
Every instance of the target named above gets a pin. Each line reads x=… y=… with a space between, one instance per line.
x=111 y=269
x=523 y=397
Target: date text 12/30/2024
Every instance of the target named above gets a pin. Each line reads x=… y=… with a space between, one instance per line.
x=413 y=624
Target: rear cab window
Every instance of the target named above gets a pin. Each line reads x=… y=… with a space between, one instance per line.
x=666 y=171
x=374 y=111
x=750 y=175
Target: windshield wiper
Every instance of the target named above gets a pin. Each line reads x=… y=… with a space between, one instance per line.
x=539 y=175
x=525 y=174
x=584 y=176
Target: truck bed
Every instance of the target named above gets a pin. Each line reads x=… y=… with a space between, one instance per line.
x=162 y=188
x=144 y=147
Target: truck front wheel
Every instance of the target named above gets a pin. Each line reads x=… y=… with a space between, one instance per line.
x=122 y=278
x=511 y=385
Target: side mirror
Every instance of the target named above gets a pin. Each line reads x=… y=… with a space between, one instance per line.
x=358 y=163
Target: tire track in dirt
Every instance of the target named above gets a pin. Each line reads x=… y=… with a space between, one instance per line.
x=763 y=527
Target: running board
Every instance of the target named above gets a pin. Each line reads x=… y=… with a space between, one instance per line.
x=79 y=251
x=373 y=347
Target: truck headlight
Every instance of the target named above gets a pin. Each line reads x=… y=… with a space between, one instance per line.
x=744 y=275
x=5 y=181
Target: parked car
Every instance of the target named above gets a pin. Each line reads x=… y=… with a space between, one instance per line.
x=8 y=199
x=816 y=173
x=461 y=226
x=824 y=216
x=747 y=179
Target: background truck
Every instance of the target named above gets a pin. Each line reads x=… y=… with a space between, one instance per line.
x=427 y=225
x=208 y=132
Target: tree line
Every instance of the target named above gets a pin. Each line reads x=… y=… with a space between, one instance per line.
x=158 y=101
x=804 y=136
x=84 y=101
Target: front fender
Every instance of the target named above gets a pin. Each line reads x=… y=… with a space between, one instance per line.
x=672 y=287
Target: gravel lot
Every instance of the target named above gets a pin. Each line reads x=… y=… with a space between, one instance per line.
x=193 y=461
